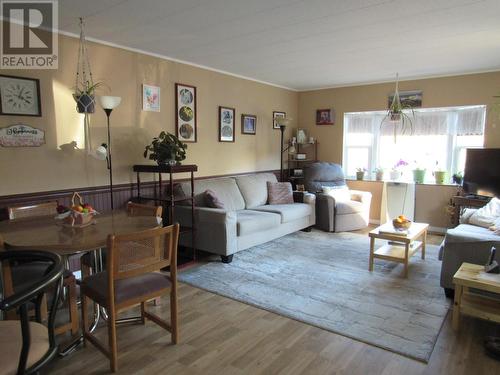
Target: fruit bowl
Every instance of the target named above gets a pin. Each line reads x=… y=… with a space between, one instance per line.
x=79 y=215
x=401 y=222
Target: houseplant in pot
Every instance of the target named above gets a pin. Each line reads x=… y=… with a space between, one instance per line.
x=457 y=178
x=397 y=170
x=360 y=173
x=84 y=96
x=379 y=174
x=166 y=149
x=419 y=175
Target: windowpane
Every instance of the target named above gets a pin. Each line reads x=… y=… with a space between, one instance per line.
x=359 y=139
x=358 y=157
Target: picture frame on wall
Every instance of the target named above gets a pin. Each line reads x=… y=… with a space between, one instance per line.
x=277 y=114
x=226 y=124
x=325 y=116
x=409 y=99
x=20 y=96
x=248 y=124
x=185 y=113
x=150 y=98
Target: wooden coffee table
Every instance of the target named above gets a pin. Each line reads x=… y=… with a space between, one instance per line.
x=401 y=248
x=473 y=276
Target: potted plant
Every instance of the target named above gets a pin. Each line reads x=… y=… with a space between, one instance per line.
x=396 y=115
x=396 y=171
x=419 y=175
x=439 y=174
x=166 y=149
x=360 y=173
x=379 y=174
x=84 y=96
x=457 y=178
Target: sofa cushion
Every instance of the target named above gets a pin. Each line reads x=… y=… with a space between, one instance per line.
x=288 y=212
x=279 y=193
x=225 y=188
x=212 y=201
x=485 y=216
x=254 y=188
x=349 y=207
x=248 y=221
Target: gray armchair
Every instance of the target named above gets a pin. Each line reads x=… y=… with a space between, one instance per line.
x=336 y=215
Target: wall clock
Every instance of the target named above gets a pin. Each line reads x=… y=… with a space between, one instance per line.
x=19 y=96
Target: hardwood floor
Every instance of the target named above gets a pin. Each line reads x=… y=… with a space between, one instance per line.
x=222 y=336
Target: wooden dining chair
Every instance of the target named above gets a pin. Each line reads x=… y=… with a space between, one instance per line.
x=33 y=210
x=132 y=277
x=136 y=209
x=23 y=272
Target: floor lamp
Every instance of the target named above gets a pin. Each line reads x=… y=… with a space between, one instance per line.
x=108 y=103
x=282 y=122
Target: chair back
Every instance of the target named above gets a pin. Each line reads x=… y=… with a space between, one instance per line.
x=41 y=209
x=20 y=301
x=136 y=209
x=138 y=253
x=317 y=175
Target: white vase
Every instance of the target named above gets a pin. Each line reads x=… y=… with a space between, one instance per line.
x=395 y=175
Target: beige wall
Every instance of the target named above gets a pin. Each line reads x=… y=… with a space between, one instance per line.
x=25 y=170
x=437 y=92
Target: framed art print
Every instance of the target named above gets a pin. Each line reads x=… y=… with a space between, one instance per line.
x=277 y=114
x=150 y=98
x=226 y=124
x=248 y=124
x=185 y=113
x=325 y=117
x=20 y=96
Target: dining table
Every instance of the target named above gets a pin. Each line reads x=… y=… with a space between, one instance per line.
x=50 y=234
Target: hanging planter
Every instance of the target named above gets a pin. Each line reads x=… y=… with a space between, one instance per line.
x=396 y=117
x=85 y=87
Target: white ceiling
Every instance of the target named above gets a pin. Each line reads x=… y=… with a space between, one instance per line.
x=303 y=44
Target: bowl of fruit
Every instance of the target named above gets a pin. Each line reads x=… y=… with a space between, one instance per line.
x=401 y=222
x=78 y=215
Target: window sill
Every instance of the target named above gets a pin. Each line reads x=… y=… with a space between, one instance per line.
x=403 y=181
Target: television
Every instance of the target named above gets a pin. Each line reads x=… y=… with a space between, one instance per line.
x=482 y=172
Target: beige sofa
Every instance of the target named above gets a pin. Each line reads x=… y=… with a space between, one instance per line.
x=246 y=220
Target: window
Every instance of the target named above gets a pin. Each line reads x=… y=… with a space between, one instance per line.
x=439 y=139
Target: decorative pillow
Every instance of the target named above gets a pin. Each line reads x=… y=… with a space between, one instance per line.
x=211 y=199
x=485 y=216
x=339 y=193
x=279 y=192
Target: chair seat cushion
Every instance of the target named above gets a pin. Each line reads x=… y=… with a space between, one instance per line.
x=349 y=207
x=96 y=286
x=248 y=221
x=11 y=342
x=288 y=212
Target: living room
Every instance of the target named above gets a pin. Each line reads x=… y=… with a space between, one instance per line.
x=333 y=171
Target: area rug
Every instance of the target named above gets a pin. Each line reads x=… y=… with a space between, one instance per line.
x=322 y=279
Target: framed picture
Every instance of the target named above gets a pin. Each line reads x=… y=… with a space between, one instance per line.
x=150 y=98
x=325 y=117
x=298 y=172
x=20 y=96
x=185 y=113
x=226 y=124
x=409 y=99
x=248 y=124
x=277 y=114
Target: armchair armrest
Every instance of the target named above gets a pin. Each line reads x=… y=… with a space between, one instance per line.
x=361 y=196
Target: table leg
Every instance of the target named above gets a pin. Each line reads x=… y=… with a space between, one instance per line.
x=407 y=251
x=424 y=242
x=456 y=307
x=372 y=250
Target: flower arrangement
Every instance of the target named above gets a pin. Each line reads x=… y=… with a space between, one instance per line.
x=379 y=173
x=400 y=165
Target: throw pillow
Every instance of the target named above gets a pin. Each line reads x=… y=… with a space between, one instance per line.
x=279 y=192
x=339 y=193
x=485 y=216
x=211 y=199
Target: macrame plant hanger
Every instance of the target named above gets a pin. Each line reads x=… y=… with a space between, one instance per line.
x=84 y=87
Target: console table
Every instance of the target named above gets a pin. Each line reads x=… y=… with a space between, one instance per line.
x=169 y=201
x=462 y=202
